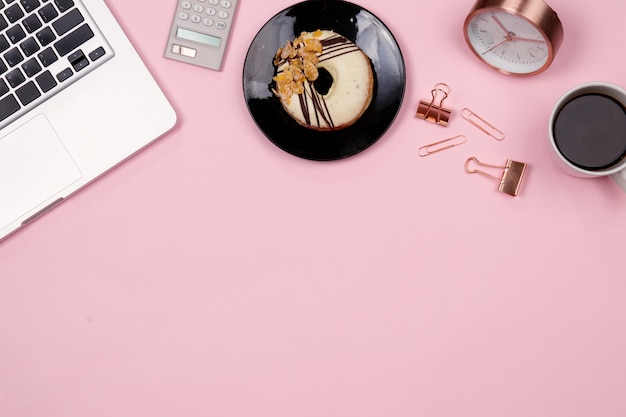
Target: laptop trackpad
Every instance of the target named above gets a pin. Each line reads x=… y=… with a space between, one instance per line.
x=34 y=166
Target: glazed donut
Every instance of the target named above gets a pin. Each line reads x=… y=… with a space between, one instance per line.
x=330 y=77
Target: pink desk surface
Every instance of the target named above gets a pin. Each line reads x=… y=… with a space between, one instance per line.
x=216 y=275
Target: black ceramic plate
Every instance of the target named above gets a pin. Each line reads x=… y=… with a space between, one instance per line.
x=356 y=24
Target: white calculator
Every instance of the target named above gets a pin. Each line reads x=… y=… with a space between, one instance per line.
x=200 y=31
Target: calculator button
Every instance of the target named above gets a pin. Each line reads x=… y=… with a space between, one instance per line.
x=208 y=21
x=214 y=2
x=185 y=5
x=189 y=52
x=183 y=15
x=196 y=19
x=211 y=11
x=198 y=8
x=183 y=50
x=226 y=4
x=222 y=14
x=220 y=25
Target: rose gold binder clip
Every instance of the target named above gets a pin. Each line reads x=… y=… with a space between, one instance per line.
x=511 y=179
x=435 y=112
x=442 y=145
x=482 y=124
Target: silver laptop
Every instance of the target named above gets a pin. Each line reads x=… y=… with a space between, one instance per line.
x=75 y=100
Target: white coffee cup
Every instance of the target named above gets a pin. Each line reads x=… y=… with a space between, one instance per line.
x=617 y=168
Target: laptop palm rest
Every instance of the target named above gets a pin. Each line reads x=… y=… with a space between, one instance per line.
x=34 y=167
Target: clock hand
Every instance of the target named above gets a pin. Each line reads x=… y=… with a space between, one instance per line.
x=501 y=25
x=511 y=35
x=517 y=38
x=507 y=39
x=495 y=46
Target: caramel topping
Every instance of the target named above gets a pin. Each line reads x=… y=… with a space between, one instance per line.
x=296 y=63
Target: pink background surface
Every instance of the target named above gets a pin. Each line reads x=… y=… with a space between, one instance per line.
x=216 y=275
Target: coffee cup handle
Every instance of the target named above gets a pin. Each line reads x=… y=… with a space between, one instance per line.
x=620 y=178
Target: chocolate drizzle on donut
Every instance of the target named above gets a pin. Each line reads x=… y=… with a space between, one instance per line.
x=336 y=46
x=320 y=109
x=332 y=47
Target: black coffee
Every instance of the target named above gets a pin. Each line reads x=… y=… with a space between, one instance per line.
x=590 y=131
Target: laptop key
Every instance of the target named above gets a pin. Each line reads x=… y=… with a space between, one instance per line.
x=47 y=57
x=8 y=106
x=97 y=53
x=73 y=40
x=46 y=81
x=31 y=23
x=64 y=75
x=13 y=57
x=64 y=5
x=28 y=93
x=16 y=34
x=48 y=13
x=29 y=5
x=29 y=47
x=68 y=22
x=14 y=13
x=46 y=36
x=15 y=78
x=78 y=60
x=31 y=67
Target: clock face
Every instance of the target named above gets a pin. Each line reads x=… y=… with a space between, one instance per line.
x=508 y=42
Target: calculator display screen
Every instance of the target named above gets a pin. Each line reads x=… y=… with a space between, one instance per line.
x=198 y=37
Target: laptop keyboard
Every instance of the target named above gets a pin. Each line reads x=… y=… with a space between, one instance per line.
x=45 y=46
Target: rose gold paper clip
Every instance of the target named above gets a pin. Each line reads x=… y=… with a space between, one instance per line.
x=511 y=179
x=482 y=124
x=435 y=112
x=442 y=145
